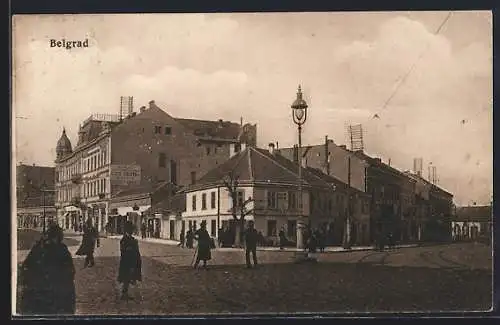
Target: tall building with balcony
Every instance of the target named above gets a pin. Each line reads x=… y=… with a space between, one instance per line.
x=143 y=149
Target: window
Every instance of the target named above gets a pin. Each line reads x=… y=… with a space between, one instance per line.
x=168 y=130
x=104 y=185
x=193 y=202
x=271 y=200
x=208 y=151
x=157 y=129
x=215 y=150
x=212 y=200
x=190 y=224
x=282 y=198
x=271 y=228
x=173 y=172
x=204 y=201
x=291 y=229
x=292 y=201
x=213 y=228
x=237 y=147
x=193 y=178
x=194 y=225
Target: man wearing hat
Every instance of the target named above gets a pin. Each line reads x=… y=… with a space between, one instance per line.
x=130 y=269
x=251 y=239
x=49 y=275
x=204 y=243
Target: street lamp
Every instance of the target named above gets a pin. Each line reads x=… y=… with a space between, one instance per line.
x=299 y=115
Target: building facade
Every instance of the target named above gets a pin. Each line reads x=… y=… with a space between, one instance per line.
x=472 y=223
x=143 y=149
x=271 y=183
x=34 y=195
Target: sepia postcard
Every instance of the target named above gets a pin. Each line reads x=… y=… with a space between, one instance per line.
x=252 y=163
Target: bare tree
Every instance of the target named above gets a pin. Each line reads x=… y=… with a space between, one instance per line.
x=231 y=183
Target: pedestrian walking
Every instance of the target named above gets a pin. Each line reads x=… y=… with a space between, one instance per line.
x=204 y=245
x=47 y=277
x=143 y=230
x=282 y=238
x=251 y=239
x=182 y=237
x=89 y=241
x=189 y=238
x=130 y=268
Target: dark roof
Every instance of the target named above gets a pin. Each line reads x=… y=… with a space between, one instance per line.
x=259 y=165
x=176 y=203
x=474 y=213
x=333 y=180
x=214 y=129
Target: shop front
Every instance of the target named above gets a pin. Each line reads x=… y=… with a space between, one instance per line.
x=130 y=210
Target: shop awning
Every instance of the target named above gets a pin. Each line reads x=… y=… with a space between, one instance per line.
x=71 y=208
x=124 y=210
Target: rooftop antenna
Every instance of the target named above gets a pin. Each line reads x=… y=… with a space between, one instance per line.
x=417 y=166
x=126 y=106
x=356 y=137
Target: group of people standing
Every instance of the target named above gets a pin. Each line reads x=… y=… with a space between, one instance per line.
x=47 y=275
x=206 y=243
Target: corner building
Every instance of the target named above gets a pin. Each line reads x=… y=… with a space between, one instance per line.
x=143 y=149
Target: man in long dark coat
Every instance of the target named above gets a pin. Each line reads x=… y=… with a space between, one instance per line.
x=204 y=244
x=189 y=238
x=251 y=238
x=130 y=260
x=48 y=277
x=89 y=240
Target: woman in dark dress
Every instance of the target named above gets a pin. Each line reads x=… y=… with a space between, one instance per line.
x=89 y=240
x=130 y=260
x=48 y=277
x=204 y=244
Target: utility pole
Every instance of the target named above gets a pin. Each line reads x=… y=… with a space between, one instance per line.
x=347 y=231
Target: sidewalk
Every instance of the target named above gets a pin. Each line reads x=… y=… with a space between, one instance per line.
x=331 y=249
x=149 y=240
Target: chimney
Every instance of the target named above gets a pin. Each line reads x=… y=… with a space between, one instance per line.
x=295 y=154
x=142 y=109
x=151 y=104
x=271 y=148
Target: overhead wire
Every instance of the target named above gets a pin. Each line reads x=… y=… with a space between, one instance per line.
x=402 y=80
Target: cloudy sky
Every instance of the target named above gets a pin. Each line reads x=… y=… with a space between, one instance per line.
x=249 y=65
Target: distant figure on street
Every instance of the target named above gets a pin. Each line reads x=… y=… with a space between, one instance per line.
x=130 y=260
x=321 y=240
x=182 y=238
x=189 y=238
x=204 y=244
x=282 y=238
x=48 y=277
x=143 y=230
x=311 y=241
x=89 y=240
x=251 y=239
x=390 y=241
x=150 y=230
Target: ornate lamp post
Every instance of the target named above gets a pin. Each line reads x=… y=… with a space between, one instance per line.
x=299 y=115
